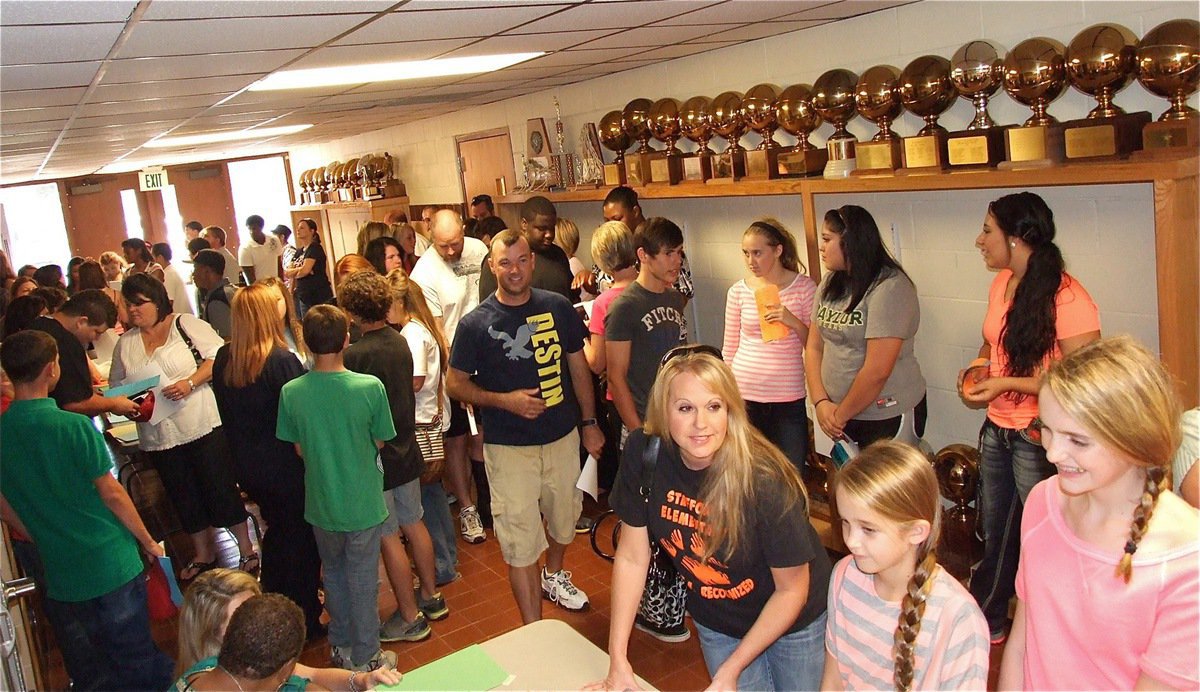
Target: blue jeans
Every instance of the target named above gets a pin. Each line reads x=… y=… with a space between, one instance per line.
x=115 y=630
x=351 y=562
x=1009 y=467
x=794 y=662
x=441 y=530
x=785 y=424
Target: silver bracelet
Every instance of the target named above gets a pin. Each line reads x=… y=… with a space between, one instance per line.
x=353 y=687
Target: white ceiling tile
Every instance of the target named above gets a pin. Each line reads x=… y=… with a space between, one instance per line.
x=145 y=105
x=753 y=32
x=840 y=9
x=56 y=43
x=654 y=36
x=223 y=64
x=584 y=57
x=73 y=74
x=33 y=138
x=177 y=9
x=51 y=126
x=176 y=116
x=528 y=43
x=744 y=11
x=207 y=36
x=338 y=56
x=458 y=23
x=41 y=98
x=682 y=50
x=29 y=115
x=76 y=11
x=166 y=88
x=611 y=16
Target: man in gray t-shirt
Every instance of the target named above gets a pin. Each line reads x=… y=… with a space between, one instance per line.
x=645 y=321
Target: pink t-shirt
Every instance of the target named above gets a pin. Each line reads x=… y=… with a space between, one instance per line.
x=600 y=313
x=952 y=646
x=766 y=371
x=1076 y=314
x=1085 y=628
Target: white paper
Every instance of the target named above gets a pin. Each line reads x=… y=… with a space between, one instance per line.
x=163 y=407
x=589 y=478
x=822 y=443
x=471 y=424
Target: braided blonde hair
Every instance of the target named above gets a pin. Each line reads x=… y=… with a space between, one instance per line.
x=1121 y=394
x=898 y=482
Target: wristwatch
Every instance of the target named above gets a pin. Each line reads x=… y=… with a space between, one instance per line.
x=588 y=421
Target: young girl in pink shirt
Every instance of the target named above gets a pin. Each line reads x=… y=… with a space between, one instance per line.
x=1109 y=583
x=890 y=594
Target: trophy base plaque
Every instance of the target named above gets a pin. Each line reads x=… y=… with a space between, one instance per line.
x=1104 y=138
x=925 y=153
x=666 y=169
x=697 y=168
x=877 y=158
x=345 y=194
x=841 y=157
x=614 y=174
x=637 y=169
x=975 y=148
x=728 y=167
x=762 y=164
x=1039 y=146
x=802 y=163
x=1170 y=138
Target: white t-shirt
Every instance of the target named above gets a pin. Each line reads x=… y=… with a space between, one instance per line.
x=177 y=291
x=199 y=415
x=427 y=363
x=263 y=257
x=452 y=290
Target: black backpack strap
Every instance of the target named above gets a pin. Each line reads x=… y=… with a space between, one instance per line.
x=649 y=462
x=188 y=340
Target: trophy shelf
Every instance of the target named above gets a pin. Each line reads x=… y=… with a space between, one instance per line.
x=387 y=203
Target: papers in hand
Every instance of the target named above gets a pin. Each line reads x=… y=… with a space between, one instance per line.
x=589 y=478
x=148 y=381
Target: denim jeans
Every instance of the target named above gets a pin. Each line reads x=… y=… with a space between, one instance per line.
x=115 y=628
x=1009 y=467
x=785 y=424
x=441 y=530
x=351 y=562
x=794 y=662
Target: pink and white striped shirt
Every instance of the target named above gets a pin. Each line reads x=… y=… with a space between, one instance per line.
x=766 y=372
x=952 y=646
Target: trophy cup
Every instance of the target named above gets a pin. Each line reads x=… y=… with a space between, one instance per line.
x=369 y=174
x=695 y=122
x=591 y=162
x=1035 y=74
x=305 y=196
x=795 y=115
x=350 y=181
x=957 y=471
x=1101 y=60
x=1168 y=60
x=833 y=99
x=977 y=71
x=727 y=120
x=328 y=191
x=563 y=162
x=926 y=91
x=877 y=97
x=634 y=120
x=666 y=166
x=613 y=137
x=758 y=110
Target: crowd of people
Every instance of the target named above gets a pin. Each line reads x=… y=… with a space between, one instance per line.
x=472 y=364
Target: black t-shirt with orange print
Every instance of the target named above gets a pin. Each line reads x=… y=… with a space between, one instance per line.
x=723 y=596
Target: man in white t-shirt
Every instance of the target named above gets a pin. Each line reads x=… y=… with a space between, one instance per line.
x=259 y=258
x=176 y=289
x=449 y=278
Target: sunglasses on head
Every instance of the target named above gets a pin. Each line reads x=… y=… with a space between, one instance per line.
x=688 y=350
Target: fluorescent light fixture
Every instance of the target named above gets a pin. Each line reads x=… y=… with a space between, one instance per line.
x=389 y=71
x=232 y=136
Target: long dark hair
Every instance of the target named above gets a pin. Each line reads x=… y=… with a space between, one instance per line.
x=867 y=259
x=1028 y=334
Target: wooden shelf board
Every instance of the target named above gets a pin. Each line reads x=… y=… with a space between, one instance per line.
x=357 y=204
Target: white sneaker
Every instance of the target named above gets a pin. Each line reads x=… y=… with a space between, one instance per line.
x=558 y=588
x=472 y=526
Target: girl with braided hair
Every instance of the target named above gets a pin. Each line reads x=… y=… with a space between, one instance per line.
x=1109 y=582
x=890 y=593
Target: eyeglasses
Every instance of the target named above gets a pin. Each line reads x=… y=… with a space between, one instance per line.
x=688 y=350
x=139 y=302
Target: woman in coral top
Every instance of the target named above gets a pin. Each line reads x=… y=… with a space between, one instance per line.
x=1036 y=314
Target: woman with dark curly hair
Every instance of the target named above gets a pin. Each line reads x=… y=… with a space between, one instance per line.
x=1036 y=314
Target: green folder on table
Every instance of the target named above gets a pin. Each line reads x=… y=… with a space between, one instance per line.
x=468 y=670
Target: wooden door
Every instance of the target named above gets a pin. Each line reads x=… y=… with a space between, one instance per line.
x=486 y=163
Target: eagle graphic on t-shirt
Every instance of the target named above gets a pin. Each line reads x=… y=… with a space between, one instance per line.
x=515 y=345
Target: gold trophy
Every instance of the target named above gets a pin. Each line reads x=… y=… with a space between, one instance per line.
x=1101 y=60
x=695 y=122
x=926 y=91
x=877 y=97
x=634 y=120
x=1168 y=61
x=329 y=191
x=350 y=181
x=977 y=71
x=729 y=165
x=317 y=183
x=666 y=166
x=613 y=137
x=833 y=99
x=302 y=182
x=1035 y=74
x=758 y=110
x=795 y=115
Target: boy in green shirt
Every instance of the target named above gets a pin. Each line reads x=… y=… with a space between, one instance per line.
x=338 y=420
x=57 y=488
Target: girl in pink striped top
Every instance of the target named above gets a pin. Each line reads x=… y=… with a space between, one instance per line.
x=770 y=373
x=890 y=594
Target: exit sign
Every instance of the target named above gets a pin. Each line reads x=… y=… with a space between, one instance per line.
x=152 y=179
